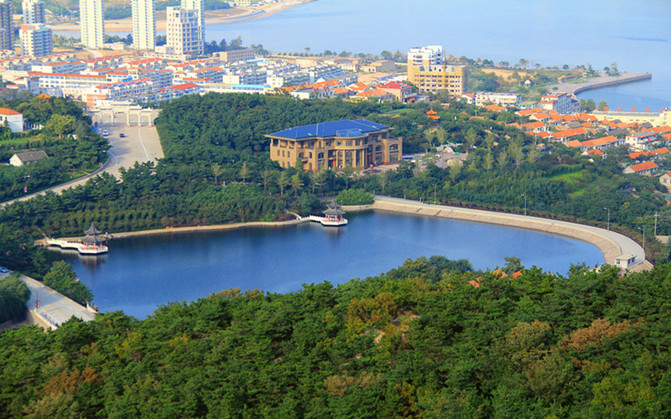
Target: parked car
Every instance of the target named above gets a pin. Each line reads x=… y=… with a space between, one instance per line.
x=105 y=133
x=122 y=135
x=3 y=269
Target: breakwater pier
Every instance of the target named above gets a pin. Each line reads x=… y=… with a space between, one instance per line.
x=599 y=82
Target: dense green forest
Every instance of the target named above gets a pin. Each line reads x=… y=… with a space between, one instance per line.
x=13 y=296
x=421 y=340
x=68 y=139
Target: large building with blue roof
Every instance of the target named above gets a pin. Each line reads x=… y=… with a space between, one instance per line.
x=335 y=144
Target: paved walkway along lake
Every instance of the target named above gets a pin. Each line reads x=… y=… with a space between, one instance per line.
x=54 y=308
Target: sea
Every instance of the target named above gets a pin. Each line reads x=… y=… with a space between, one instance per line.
x=636 y=35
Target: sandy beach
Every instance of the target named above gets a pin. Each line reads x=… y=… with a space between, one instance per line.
x=212 y=17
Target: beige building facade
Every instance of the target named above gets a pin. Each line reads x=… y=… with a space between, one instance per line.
x=335 y=144
x=429 y=72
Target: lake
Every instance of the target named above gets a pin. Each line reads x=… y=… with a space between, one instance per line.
x=634 y=34
x=140 y=274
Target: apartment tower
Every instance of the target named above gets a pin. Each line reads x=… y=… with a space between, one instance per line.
x=92 y=23
x=144 y=25
x=37 y=40
x=184 y=36
x=33 y=12
x=6 y=12
x=196 y=5
x=429 y=71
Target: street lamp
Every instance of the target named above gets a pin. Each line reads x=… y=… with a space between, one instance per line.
x=608 y=209
x=655 y=224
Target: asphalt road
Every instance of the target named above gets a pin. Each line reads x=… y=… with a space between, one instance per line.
x=141 y=144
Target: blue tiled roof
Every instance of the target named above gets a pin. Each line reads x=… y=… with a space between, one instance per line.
x=342 y=128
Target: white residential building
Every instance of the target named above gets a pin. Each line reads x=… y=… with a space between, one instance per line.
x=196 y=5
x=92 y=23
x=6 y=12
x=36 y=40
x=13 y=119
x=504 y=99
x=144 y=25
x=184 y=35
x=33 y=12
x=562 y=103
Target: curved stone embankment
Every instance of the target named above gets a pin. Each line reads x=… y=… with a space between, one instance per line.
x=610 y=243
x=605 y=81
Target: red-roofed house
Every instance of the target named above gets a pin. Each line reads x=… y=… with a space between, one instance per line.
x=378 y=94
x=495 y=108
x=539 y=116
x=528 y=112
x=601 y=143
x=570 y=133
x=13 y=119
x=535 y=126
x=645 y=168
x=401 y=91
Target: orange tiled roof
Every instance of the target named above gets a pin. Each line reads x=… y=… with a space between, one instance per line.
x=528 y=112
x=360 y=87
x=494 y=108
x=595 y=152
x=5 y=111
x=371 y=93
x=574 y=143
x=533 y=125
x=540 y=115
x=569 y=133
x=599 y=141
x=648 y=165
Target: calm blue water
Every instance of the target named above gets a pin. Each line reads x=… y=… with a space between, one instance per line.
x=142 y=273
x=634 y=34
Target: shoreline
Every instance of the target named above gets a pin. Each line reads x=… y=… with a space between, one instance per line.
x=611 y=244
x=212 y=17
x=600 y=82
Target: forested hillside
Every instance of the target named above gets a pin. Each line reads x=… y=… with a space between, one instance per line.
x=417 y=341
x=72 y=146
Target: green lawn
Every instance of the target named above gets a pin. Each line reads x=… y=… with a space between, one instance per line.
x=571 y=177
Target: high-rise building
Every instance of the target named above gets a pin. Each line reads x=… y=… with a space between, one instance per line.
x=37 y=40
x=6 y=12
x=184 y=36
x=196 y=5
x=144 y=25
x=429 y=71
x=92 y=23
x=33 y=12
